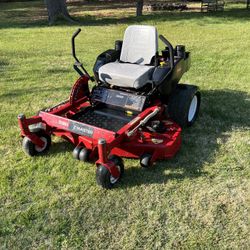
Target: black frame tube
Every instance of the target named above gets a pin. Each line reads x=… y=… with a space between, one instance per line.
x=171 y=50
x=171 y=54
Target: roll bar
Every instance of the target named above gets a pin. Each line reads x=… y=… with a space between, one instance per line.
x=171 y=59
x=171 y=50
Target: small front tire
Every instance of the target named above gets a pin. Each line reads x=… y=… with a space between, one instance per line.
x=28 y=146
x=84 y=155
x=103 y=175
x=31 y=149
x=145 y=160
x=76 y=152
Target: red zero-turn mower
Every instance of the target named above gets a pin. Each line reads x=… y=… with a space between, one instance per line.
x=136 y=109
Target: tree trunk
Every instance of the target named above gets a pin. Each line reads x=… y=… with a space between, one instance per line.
x=139 y=7
x=248 y=4
x=57 y=8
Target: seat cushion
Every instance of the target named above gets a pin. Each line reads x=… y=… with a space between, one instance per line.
x=140 y=44
x=125 y=75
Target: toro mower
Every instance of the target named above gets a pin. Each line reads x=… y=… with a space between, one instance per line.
x=136 y=109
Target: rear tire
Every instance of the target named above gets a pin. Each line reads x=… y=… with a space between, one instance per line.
x=184 y=105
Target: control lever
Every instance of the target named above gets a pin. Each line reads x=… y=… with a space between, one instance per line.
x=144 y=121
x=77 y=63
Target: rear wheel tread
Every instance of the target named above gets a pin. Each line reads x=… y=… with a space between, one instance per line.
x=179 y=104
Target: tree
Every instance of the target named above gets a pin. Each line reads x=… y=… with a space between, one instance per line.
x=139 y=7
x=57 y=8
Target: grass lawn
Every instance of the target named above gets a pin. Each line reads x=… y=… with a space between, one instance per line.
x=198 y=200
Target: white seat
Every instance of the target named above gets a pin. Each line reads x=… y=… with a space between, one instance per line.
x=140 y=45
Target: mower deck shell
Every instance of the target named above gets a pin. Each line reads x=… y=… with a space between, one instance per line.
x=58 y=121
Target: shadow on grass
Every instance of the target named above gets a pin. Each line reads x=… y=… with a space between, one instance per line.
x=94 y=6
x=219 y=18
x=3 y=65
x=60 y=147
x=34 y=90
x=32 y=15
x=221 y=112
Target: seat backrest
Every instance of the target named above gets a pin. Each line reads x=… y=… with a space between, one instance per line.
x=140 y=44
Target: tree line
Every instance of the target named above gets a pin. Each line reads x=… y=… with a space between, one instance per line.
x=57 y=8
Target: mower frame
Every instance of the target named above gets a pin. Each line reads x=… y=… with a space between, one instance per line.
x=101 y=142
x=133 y=139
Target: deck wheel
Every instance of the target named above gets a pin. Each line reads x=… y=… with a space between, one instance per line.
x=103 y=175
x=84 y=154
x=76 y=152
x=145 y=160
x=31 y=149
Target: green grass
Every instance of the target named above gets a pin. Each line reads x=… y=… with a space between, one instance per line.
x=198 y=200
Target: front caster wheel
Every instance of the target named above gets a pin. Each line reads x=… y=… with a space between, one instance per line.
x=76 y=152
x=84 y=154
x=145 y=160
x=31 y=149
x=81 y=153
x=104 y=177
